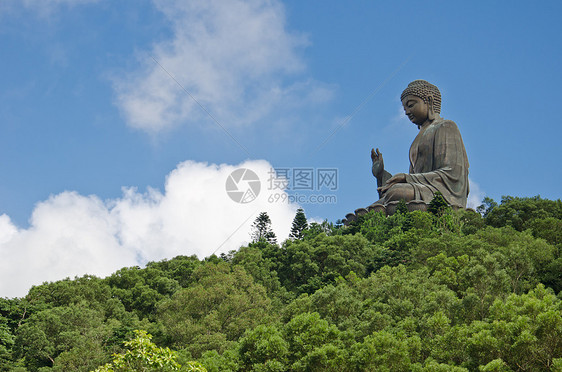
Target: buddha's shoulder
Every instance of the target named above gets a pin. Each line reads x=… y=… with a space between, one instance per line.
x=444 y=123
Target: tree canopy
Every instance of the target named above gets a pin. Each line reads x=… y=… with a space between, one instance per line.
x=300 y=224
x=416 y=291
x=262 y=230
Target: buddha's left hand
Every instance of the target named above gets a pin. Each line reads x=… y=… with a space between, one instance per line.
x=397 y=178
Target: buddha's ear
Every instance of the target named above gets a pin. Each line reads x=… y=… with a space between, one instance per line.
x=430 y=112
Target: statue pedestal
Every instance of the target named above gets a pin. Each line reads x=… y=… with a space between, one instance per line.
x=389 y=209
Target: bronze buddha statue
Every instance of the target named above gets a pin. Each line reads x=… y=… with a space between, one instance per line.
x=438 y=160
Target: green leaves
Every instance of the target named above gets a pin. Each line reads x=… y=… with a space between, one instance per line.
x=143 y=355
x=215 y=311
x=299 y=225
x=385 y=351
x=450 y=291
x=263 y=348
x=262 y=230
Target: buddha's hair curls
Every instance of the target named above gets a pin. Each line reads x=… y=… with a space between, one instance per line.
x=423 y=89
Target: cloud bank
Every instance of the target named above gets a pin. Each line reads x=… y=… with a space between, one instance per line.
x=230 y=56
x=73 y=235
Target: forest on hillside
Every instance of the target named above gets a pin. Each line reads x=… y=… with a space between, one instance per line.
x=441 y=290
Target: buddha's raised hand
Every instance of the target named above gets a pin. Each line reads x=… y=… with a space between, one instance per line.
x=378 y=163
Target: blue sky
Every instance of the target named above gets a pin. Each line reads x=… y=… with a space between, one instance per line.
x=120 y=121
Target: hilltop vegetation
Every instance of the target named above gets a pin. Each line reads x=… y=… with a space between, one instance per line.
x=420 y=291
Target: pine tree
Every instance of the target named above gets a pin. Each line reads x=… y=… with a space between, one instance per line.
x=262 y=231
x=300 y=224
x=402 y=208
x=438 y=205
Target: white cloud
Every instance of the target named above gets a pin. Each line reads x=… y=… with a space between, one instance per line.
x=230 y=55
x=475 y=196
x=400 y=126
x=400 y=116
x=400 y=122
x=71 y=234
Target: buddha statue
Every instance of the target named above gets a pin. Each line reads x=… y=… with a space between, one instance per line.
x=438 y=160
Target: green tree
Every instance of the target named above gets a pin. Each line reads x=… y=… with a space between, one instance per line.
x=315 y=228
x=308 y=337
x=262 y=231
x=412 y=291
x=179 y=268
x=52 y=332
x=6 y=344
x=142 y=355
x=438 y=205
x=488 y=204
x=299 y=225
x=517 y=212
x=263 y=348
x=141 y=289
x=261 y=261
x=307 y=265
x=228 y=361
x=385 y=351
x=552 y=275
x=88 y=288
x=523 y=331
x=402 y=207
x=215 y=311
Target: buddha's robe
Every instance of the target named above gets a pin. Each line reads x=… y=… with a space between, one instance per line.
x=438 y=162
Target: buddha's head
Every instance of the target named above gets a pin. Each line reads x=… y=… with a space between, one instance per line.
x=421 y=101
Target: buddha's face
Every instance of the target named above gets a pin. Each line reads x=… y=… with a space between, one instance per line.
x=415 y=109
